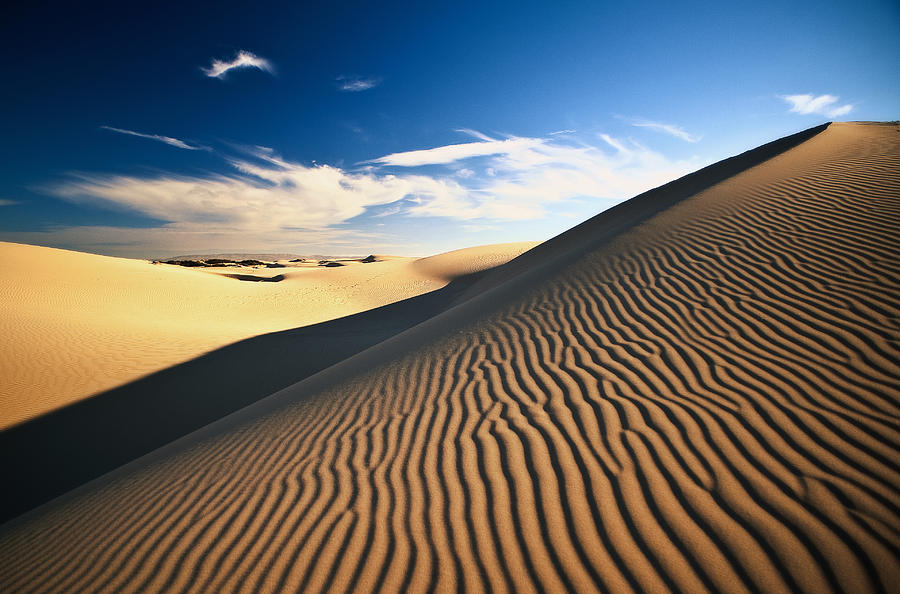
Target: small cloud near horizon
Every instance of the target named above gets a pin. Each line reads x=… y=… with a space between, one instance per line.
x=670 y=129
x=243 y=59
x=166 y=139
x=825 y=105
x=355 y=84
x=5 y=202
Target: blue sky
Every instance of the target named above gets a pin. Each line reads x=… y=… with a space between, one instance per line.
x=405 y=128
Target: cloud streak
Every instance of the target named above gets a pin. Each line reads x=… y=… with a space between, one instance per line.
x=179 y=238
x=825 y=105
x=355 y=84
x=166 y=139
x=243 y=59
x=456 y=152
x=669 y=129
x=5 y=202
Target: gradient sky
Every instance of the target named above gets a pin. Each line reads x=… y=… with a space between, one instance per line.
x=393 y=127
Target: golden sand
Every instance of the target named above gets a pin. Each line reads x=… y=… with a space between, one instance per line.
x=698 y=394
x=75 y=324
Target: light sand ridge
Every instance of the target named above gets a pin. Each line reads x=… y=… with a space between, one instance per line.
x=709 y=401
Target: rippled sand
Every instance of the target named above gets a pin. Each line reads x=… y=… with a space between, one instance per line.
x=696 y=391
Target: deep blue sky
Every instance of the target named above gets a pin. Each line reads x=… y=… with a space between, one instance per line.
x=564 y=108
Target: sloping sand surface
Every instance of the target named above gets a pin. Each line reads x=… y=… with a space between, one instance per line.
x=75 y=324
x=707 y=399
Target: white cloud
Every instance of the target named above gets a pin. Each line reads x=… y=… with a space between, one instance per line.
x=475 y=134
x=268 y=202
x=822 y=105
x=525 y=175
x=670 y=129
x=243 y=59
x=5 y=202
x=455 y=152
x=357 y=83
x=167 y=139
x=272 y=196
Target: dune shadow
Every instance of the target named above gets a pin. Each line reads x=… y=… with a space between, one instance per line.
x=55 y=453
x=256 y=279
x=52 y=454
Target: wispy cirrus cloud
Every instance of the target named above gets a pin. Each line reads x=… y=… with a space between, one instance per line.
x=243 y=59
x=443 y=155
x=166 y=139
x=518 y=178
x=5 y=202
x=355 y=84
x=670 y=129
x=825 y=105
x=276 y=203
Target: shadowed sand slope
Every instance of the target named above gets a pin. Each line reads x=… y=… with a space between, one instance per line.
x=60 y=450
x=709 y=400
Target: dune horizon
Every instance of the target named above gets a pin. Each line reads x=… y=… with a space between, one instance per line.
x=697 y=390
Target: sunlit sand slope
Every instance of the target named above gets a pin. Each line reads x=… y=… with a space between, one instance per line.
x=709 y=401
x=74 y=324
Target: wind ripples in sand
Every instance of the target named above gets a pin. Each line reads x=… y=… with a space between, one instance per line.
x=711 y=402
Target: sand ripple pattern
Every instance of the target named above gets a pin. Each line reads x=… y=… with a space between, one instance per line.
x=711 y=402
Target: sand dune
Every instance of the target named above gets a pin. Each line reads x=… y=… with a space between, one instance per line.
x=698 y=391
x=76 y=324
x=69 y=446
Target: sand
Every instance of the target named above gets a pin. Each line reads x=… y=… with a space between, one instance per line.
x=76 y=324
x=696 y=391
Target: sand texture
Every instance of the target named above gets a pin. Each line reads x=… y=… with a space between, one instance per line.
x=696 y=391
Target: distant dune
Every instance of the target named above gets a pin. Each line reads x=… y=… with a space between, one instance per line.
x=75 y=324
x=698 y=390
